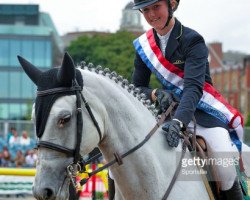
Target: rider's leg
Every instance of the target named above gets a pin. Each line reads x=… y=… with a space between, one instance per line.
x=223 y=153
x=235 y=192
x=246 y=158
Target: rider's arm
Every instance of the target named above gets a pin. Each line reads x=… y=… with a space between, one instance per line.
x=196 y=54
x=141 y=77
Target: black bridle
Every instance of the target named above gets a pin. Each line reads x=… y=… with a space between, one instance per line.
x=73 y=168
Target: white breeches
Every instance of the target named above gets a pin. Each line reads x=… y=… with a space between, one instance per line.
x=222 y=148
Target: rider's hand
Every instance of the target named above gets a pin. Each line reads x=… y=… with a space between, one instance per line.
x=172 y=131
x=163 y=99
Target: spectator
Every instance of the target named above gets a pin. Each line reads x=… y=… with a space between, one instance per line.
x=31 y=158
x=25 y=139
x=1 y=158
x=14 y=139
x=2 y=143
x=19 y=159
x=6 y=157
x=10 y=134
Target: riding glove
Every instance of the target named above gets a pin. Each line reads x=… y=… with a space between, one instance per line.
x=163 y=100
x=172 y=131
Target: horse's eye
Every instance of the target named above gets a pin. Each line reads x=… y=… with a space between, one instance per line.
x=67 y=118
x=64 y=120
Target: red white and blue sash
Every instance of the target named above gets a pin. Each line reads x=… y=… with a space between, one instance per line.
x=171 y=77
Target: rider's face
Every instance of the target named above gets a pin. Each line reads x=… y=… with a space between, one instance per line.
x=156 y=14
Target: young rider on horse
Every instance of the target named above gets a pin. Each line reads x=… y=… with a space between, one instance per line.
x=178 y=56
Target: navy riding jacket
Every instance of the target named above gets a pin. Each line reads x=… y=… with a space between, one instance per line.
x=187 y=50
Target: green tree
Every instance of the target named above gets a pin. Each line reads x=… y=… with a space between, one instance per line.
x=247 y=123
x=114 y=50
x=27 y=115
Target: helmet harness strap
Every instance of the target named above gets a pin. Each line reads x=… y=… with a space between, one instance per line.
x=170 y=14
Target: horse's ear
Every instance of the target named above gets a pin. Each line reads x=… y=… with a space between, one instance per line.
x=30 y=69
x=67 y=72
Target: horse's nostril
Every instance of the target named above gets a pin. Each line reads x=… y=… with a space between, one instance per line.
x=48 y=193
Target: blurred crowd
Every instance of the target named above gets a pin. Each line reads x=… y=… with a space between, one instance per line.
x=17 y=150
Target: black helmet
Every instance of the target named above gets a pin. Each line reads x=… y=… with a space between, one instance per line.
x=138 y=4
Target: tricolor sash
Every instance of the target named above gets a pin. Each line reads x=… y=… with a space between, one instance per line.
x=212 y=102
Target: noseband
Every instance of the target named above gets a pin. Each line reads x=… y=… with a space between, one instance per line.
x=73 y=168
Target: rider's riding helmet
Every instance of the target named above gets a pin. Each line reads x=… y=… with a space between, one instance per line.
x=139 y=4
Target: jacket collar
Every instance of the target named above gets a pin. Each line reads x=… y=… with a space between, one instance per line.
x=173 y=41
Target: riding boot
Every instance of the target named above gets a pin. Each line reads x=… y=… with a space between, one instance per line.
x=111 y=191
x=235 y=193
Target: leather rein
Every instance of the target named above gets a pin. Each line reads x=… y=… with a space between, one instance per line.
x=79 y=164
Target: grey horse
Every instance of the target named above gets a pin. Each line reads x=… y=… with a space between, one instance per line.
x=124 y=118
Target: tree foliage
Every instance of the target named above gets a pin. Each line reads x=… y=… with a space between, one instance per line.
x=114 y=50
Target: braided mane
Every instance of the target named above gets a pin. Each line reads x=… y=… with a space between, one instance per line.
x=118 y=79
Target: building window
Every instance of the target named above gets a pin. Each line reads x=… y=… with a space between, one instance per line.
x=4 y=110
x=15 y=49
x=36 y=51
x=4 y=52
x=27 y=87
x=4 y=77
x=15 y=111
x=14 y=84
x=234 y=80
x=27 y=50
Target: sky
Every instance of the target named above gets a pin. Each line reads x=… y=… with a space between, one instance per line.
x=225 y=21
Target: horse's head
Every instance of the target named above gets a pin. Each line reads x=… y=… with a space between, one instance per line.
x=59 y=124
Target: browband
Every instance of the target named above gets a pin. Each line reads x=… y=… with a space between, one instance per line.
x=58 y=90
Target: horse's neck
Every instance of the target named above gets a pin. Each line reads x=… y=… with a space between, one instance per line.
x=125 y=118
